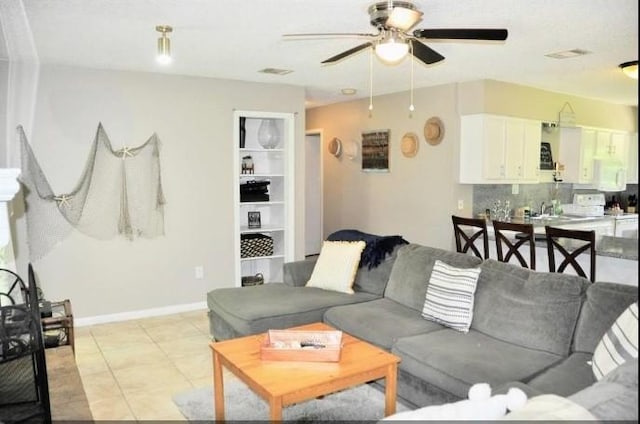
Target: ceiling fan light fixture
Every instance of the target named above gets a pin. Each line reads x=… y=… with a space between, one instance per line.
x=391 y=49
x=403 y=17
x=630 y=69
x=164 y=45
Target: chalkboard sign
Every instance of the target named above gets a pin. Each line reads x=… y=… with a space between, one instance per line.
x=546 y=160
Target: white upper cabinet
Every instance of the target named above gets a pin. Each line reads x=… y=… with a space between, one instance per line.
x=579 y=147
x=499 y=150
x=612 y=145
x=577 y=150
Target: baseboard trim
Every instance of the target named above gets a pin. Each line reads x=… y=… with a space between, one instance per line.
x=144 y=313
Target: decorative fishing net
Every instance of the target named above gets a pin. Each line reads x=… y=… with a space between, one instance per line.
x=119 y=193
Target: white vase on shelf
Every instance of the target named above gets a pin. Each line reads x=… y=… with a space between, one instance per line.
x=268 y=134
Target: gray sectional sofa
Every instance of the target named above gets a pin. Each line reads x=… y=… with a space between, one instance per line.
x=534 y=330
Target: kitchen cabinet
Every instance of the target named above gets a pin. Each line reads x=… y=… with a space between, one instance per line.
x=271 y=216
x=576 y=153
x=499 y=149
x=627 y=226
x=632 y=159
x=611 y=145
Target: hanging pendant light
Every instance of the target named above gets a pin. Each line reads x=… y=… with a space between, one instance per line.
x=164 y=45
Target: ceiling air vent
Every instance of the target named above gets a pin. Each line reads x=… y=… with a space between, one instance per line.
x=568 y=53
x=275 y=71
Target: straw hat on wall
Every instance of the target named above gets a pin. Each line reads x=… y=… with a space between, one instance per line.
x=433 y=131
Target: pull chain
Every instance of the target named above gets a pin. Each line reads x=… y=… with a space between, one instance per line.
x=370 y=82
x=411 y=107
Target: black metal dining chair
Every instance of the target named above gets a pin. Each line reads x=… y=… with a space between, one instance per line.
x=570 y=244
x=523 y=234
x=468 y=231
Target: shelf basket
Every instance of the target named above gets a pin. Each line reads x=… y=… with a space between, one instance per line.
x=252 y=245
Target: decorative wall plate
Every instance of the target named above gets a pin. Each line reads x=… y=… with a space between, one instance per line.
x=433 y=131
x=335 y=147
x=409 y=145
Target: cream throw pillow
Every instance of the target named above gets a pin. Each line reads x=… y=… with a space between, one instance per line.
x=337 y=266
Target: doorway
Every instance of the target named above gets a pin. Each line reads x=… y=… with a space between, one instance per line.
x=313 y=192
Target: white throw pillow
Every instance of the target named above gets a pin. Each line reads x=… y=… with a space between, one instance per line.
x=450 y=295
x=337 y=266
x=619 y=343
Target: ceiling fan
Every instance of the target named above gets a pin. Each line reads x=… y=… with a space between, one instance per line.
x=393 y=20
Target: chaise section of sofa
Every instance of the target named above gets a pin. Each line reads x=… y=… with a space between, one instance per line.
x=241 y=311
x=256 y=309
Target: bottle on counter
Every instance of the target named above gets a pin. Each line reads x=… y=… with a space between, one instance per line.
x=632 y=203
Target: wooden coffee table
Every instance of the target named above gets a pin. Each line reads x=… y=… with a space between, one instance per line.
x=282 y=383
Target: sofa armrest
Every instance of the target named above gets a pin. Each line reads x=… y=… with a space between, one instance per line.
x=296 y=274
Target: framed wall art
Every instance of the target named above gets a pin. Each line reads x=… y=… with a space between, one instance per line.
x=546 y=158
x=375 y=151
x=253 y=219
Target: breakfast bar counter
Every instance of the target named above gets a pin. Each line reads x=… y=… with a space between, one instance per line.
x=616 y=257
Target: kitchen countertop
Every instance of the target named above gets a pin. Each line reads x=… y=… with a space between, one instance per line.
x=618 y=247
x=554 y=221
x=614 y=247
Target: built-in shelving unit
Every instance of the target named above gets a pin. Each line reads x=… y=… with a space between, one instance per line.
x=276 y=166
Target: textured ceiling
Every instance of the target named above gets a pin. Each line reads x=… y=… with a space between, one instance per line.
x=235 y=39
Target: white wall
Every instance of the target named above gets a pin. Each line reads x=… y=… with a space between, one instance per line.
x=193 y=119
x=417 y=197
x=4 y=93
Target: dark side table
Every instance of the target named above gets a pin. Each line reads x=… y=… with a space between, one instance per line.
x=61 y=319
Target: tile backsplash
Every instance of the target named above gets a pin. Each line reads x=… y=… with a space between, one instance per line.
x=484 y=195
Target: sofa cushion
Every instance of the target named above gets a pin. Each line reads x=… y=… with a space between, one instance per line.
x=255 y=309
x=615 y=397
x=454 y=361
x=604 y=304
x=536 y=310
x=374 y=280
x=380 y=322
x=412 y=270
x=337 y=266
x=618 y=345
x=450 y=293
x=567 y=377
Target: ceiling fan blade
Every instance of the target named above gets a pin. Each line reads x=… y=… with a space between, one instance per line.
x=403 y=18
x=347 y=53
x=330 y=35
x=425 y=53
x=462 y=34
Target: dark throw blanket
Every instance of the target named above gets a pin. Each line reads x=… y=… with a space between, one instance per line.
x=378 y=247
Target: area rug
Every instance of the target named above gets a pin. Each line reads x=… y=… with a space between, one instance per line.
x=357 y=404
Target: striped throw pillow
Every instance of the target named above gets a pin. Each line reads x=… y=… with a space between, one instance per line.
x=450 y=294
x=618 y=345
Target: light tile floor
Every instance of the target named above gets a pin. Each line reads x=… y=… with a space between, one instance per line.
x=130 y=370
